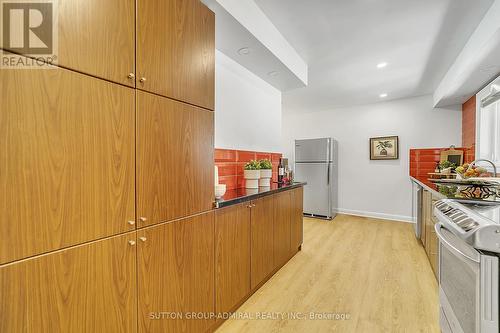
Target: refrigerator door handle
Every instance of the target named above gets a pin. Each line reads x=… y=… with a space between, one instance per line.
x=328 y=158
x=328 y=173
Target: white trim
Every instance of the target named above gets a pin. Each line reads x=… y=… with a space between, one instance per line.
x=383 y=216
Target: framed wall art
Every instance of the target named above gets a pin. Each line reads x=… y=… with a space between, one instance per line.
x=384 y=148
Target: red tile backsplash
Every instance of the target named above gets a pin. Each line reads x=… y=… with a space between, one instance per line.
x=423 y=161
x=231 y=163
x=225 y=155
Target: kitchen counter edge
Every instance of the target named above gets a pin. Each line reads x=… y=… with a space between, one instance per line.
x=428 y=187
x=230 y=202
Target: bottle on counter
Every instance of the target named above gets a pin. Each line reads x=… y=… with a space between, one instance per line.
x=438 y=168
x=281 y=172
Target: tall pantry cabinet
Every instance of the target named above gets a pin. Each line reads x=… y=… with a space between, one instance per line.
x=106 y=172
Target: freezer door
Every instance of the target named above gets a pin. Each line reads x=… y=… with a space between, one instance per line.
x=317 y=194
x=313 y=150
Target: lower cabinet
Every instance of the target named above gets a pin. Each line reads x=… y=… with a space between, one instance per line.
x=232 y=256
x=176 y=275
x=282 y=227
x=428 y=234
x=88 y=288
x=262 y=240
x=170 y=277
x=297 y=219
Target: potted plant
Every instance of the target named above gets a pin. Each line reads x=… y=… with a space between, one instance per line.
x=447 y=167
x=251 y=174
x=266 y=173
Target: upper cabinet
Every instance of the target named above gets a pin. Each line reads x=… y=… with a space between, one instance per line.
x=176 y=50
x=97 y=37
x=67 y=160
x=94 y=37
x=175 y=159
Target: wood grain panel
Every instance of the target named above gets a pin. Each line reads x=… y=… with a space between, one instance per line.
x=282 y=230
x=88 y=288
x=232 y=256
x=97 y=37
x=262 y=240
x=176 y=274
x=181 y=36
x=66 y=161
x=297 y=210
x=175 y=159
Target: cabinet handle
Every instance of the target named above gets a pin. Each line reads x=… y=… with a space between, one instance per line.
x=131 y=76
x=253 y=205
x=143 y=219
x=142 y=80
x=249 y=206
x=131 y=222
x=143 y=239
x=131 y=242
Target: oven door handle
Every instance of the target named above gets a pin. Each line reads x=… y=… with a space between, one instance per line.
x=443 y=240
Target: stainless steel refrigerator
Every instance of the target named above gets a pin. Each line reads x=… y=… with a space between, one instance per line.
x=316 y=164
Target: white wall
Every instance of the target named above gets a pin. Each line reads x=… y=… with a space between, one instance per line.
x=247 y=109
x=376 y=188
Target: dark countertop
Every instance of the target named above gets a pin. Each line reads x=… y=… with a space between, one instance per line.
x=236 y=196
x=428 y=185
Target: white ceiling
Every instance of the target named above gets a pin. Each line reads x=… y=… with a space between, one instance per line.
x=342 y=41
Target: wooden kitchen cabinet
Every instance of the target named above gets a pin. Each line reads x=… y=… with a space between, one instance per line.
x=426 y=203
x=428 y=236
x=67 y=161
x=176 y=274
x=297 y=219
x=87 y=288
x=176 y=50
x=95 y=37
x=175 y=159
x=232 y=256
x=262 y=241
x=282 y=227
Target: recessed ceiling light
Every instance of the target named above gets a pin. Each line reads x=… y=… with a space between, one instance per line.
x=381 y=65
x=273 y=73
x=244 y=51
x=384 y=95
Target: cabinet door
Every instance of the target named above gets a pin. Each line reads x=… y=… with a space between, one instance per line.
x=262 y=240
x=232 y=256
x=176 y=275
x=297 y=219
x=94 y=37
x=67 y=161
x=87 y=288
x=282 y=230
x=175 y=159
x=176 y=50
x=426 y=200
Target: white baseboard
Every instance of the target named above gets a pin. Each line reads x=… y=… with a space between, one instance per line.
x=399 y=218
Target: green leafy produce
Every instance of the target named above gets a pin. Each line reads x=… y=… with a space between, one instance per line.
x=265 y=164
x=446 y=165
x=252 y=165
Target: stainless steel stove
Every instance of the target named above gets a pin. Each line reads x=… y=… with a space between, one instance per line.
x=469 y=249
x=477 y=223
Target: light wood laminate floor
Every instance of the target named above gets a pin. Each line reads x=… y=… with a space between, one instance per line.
x=373 y=270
